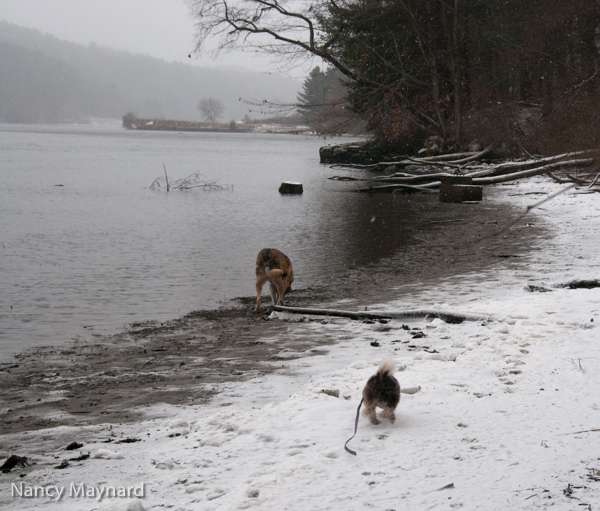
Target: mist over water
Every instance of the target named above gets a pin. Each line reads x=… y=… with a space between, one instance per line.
x=87 y=247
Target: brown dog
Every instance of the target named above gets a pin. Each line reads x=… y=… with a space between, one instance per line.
x=383 y=391
x=275 y=267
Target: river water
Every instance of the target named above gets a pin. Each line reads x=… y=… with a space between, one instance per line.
x=87 y=247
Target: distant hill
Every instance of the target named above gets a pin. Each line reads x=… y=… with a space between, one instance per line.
x=45 y=79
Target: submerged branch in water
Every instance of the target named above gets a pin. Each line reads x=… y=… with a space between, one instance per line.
x=195 y=180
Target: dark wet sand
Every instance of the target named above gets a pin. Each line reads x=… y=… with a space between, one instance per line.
x=179 y=361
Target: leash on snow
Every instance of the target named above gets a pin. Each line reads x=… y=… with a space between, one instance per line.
x=355 y=429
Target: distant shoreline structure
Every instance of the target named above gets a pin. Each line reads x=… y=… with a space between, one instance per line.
x=134 y=123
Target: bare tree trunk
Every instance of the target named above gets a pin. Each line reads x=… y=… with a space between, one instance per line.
x=456 y=78
x=435 y=78
x=428 y=47
x=547 y=103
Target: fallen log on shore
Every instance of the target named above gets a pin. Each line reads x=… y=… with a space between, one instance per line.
x=497 y=170
x=583 y=162
x=447 y=316
x=427 y=188
x=498 y=174
x=442 y=159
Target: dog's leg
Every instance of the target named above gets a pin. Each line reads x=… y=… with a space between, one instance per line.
x=388 y=413
x=281 y=287
x=273 y=290
x=260 y=281
x=370 y=412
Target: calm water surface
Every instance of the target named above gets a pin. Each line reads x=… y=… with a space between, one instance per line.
x=87 y=247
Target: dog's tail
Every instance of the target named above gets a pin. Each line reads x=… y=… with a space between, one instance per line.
x=387 y=367
x=275 y=273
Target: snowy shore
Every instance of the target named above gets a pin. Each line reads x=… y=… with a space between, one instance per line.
x=507 y=415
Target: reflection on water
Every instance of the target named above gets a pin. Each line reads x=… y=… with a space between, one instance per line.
x=87 y=247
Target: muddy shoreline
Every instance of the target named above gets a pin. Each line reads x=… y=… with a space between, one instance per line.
x=182 y=361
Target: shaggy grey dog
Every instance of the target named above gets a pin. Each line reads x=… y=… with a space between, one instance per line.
x=383 y=391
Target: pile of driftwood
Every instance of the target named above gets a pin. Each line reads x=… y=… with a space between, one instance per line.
x=424 y=174
x=195 y=180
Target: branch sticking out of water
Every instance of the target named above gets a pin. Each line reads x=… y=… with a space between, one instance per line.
x=166 y=177
x=195 y=180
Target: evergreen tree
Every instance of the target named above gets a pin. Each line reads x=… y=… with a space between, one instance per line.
x=322 y=102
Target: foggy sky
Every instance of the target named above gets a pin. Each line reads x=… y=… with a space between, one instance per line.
x=159 y=28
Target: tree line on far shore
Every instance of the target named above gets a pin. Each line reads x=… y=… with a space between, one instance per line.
x=46 y=80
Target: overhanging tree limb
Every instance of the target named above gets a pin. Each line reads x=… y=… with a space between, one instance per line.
x=257 y=17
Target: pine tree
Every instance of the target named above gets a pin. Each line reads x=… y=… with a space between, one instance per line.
x=322 y=101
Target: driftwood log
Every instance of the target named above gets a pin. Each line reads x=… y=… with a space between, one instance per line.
x=492 y=174
x=447 y=316
x=453 y=159
x=494 y=170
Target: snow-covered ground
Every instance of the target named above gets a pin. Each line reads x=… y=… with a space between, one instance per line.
x=507 y=416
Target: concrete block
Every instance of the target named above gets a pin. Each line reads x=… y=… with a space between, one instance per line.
x=290 y=188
